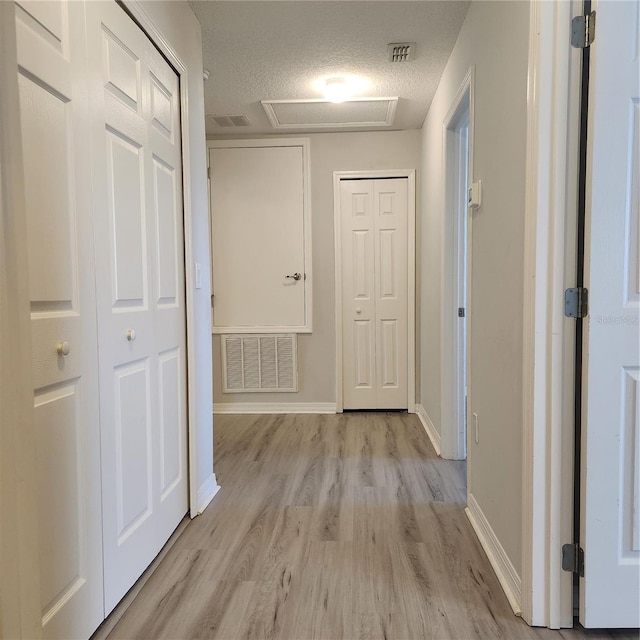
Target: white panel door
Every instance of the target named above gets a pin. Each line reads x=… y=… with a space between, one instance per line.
x=358 y=295
x=258 y=237
x=374 y=268
x=51 y=75
x=136 y=146
x=610 y=527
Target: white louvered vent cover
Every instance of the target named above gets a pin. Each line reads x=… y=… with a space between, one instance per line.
x=259 y=363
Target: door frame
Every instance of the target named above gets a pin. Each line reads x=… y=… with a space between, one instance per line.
x=410 y=175
x=454 y=371
x=553 y=116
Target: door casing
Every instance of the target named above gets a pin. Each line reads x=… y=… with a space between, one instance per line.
x=553 y=112
x=410 y=175
x=455 y=358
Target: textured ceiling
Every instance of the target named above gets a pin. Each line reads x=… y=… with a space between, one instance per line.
x=280 y=50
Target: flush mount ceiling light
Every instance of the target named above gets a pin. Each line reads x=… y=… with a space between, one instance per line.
x=337 y=89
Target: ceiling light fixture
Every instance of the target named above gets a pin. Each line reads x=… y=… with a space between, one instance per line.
x=337 y=90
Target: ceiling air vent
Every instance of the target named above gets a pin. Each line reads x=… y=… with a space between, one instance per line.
x=231 y=121
x=401 y=51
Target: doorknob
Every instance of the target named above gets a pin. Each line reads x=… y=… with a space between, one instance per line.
x=131 y=335
x=63 y=348
x=358 y=310
x=296 y=276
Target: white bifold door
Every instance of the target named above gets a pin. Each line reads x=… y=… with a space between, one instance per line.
x=374 y=221
x=54 y=119
x=610 y=502
x=136 y=163
x=102 y=159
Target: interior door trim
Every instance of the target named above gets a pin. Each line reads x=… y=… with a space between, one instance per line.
x=410 y=175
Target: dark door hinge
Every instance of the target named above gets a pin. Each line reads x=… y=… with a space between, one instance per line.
x=576 y=302
x=583 y=30
x=573 y=558
x=461 y=312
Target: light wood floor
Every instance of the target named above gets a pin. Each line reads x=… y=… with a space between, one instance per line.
x=333 y=527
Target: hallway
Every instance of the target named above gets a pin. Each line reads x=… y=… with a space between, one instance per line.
x=334 y=527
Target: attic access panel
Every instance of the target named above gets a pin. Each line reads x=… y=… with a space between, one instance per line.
x=260 y=236
x=322 y=114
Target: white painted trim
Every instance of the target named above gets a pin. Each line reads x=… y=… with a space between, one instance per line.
x=305 y=144
x=453 y=414
x=206 y=492
x=551 y=185
x=274 y=407
x=267 y=105
x=411 y=275
x=222 y=330
x=199 y=391
x=502 y=566
x=432 y=432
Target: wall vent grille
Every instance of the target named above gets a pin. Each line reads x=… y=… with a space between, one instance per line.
x=401 y=51
x=259 y=363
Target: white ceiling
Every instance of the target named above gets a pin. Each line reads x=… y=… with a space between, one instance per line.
x=281 y=49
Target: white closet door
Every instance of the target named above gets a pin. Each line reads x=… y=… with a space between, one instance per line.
x=51 y=58
x=610 y=466
x=358 y=295
x=374 y=230
x=390 y=209
x=134 y=100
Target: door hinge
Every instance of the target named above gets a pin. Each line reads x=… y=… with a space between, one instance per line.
x=209 y=173
x=461 y=312
x=573 y=558
x=576 y=302
x=583 y=30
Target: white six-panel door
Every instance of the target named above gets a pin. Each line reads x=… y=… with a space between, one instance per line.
x=54 y=118
x=374 y=219
x=610 y=511
x=134 y=99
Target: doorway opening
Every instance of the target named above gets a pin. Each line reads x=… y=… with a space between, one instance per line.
x=458 y=141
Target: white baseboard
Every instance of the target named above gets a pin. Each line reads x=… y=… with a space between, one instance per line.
x=505 y=571
x=432 y=432
x=206 y=492
x=274 y=407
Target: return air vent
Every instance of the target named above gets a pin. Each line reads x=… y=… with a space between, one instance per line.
x=230 y=121
x=401 y=51
x=259 y=363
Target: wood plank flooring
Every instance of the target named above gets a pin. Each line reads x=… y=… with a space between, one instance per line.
x=329 y=527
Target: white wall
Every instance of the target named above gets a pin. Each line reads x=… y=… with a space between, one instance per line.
x=494 y=38
x=316 y=352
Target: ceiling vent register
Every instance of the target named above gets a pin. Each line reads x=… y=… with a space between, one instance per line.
x=230 y=121
x=401 y=51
